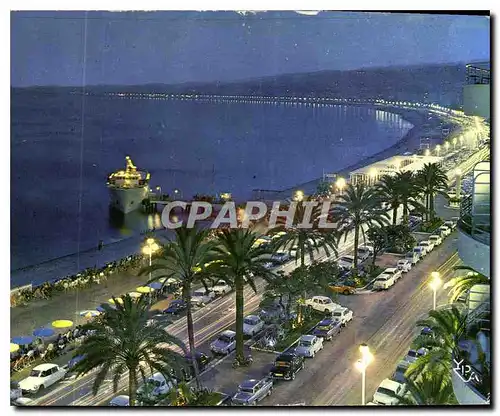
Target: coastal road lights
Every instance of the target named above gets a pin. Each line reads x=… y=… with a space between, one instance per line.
x=373 y=175
x=362 y=365
x=435 y=284
x=438 y=149
x=149 y=249
x=299 y=195
x=340 y=184
x=455 y=143
x=458 y=174
x=447 y=146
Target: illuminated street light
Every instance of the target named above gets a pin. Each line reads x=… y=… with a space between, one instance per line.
x=435 y=284
x=373 y=175
x=438 y=149
x=427 y=152
x=299 y=195
x=340 y=184
x=361 y=365
x=447 y=146
x=149 y=249
x=455 y=143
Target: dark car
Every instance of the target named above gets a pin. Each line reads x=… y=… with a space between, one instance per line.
x=286 y=366
x=201 y=359
x=399 y=374
x=176 y=307
x=327 y=329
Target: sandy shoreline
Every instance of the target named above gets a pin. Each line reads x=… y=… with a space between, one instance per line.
x=75 y=263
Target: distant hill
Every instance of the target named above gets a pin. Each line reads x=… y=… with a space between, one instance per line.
x=426 y=83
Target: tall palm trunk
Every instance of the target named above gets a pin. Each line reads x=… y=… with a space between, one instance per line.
x=356 y=242
x=405 y=212
x=132 y=386
x=426 y=207
x=186 y=294
x=239 y=285
x=431 y=205
x=300 y=317
x=394 y=215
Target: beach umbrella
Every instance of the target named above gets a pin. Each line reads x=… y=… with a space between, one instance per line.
x=155 y=285
x=13 y=347
x=89 y=314
x=144 y=289
x=22 y=340
x=134 y=295
x=101 y=309
x=62 y=324
x=112 y=302
x=43 y=332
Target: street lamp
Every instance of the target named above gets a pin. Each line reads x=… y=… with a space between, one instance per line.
x=340 y=184
x=435 y=284
x=447 y=146
x=458 y=174
x=149 y=248
x=438 y=149
x=176 y=192
x=455 y=143
x=299 y=195
x=373 y=175
x=427 y=152
x=361 y=365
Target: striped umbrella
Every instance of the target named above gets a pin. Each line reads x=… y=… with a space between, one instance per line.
x=13 y=347
x=144 y=289
x=62 y=323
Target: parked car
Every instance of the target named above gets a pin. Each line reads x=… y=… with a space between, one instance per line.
x=435 y=239
x=202 y=296
x=342 y=288
x=384 y=281
x=322 y=304
x=15 y=391
x=342 y=315
x=399 y=373
x=404 y=265
x=429 y=246
x=252 y=391
x=364 y=252
x=413 y=355
x=309 y=345
x=154 y=386
x=225 y=343
x=225 y=399
x=280 y=257
x=120 y=401
x=286 y=366
x=327 y=329
x=201 y=359
x=421 y=251
x=42 y=376
x=387 y=392
x=450 y=224
x=346 y=262
x=221 y=288
x=176 y=307
x=396 y=273
x=413 y=257
x=252 y=324
x=445 y=230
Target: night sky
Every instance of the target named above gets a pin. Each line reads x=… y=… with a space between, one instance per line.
x=53 y=48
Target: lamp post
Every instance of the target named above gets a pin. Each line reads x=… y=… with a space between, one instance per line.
x=438 y=149
x=435 y=284
x=361 y=365
x=149 y=248
x=373 y=175
x=299 y=195
x=340 y=184
x=458 y=174
x=427 y=152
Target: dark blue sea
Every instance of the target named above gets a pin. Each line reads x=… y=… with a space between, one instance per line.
x=64 y=146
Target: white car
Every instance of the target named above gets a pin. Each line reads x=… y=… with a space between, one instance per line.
x=450 y=224
x=413 y=257
x=346 y=262
x=120 y=401
x=446 y=231
x=322 y=304
x=42 y=376
x=221 y=288
x=225 y=343
x=252 y=324
x=396 y=273
x=342 y=315
x=404 y=265
x=435 y=239
x=421 y=251
x=429 y=246
x=384 y=281
x=309 y=345
x=201 y=297
x=387 y=392
x=413 y=355
x=155 y=386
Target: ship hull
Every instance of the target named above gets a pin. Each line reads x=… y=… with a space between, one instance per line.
x=127 y=200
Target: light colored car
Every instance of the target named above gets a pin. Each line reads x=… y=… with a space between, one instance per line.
x=15 y=391
x=364 y=252
x=252 y=324
x=388 y=391
x=221 y=288
x=280 y=257
x=120 y=401
x=445 y=230
x=404 y=265
x=413 y=257
x=155 y=386
x=225 y=343
x=346 y=262
x=308 y=346
x=435 y=239
x=252 y=391
x=421 y=251
x=201 y=297
x=384 y=281
x=322 y=304
x=450 y=224
x=342 y=315
x=428 y=245
x=396 y=273
x=413 y=355
x=42 y=376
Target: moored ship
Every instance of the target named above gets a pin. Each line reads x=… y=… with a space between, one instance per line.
x=128 y=188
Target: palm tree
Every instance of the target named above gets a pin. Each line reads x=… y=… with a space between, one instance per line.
x=124 y=340
x=306 y=240
x=429 y=390
x=238 y=259
x=389 y=192
x=184 y=395
x=358 y=206
x=432 y=180
x=461 y=285
x=408 y=191
x=182 y=259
